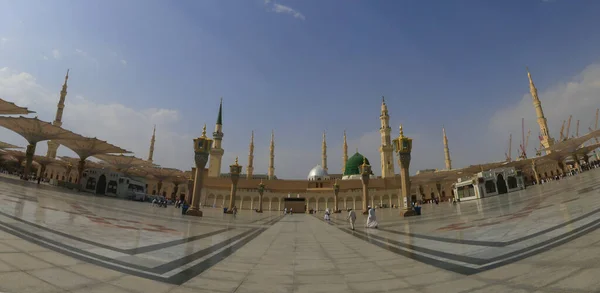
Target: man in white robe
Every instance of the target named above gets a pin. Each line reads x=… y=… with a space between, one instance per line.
x=352 y=218
x=372 y=219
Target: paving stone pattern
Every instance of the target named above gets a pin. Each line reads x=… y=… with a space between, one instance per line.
x=542 y=239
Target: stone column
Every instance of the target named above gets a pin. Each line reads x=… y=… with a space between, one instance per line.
x=234 y=171
x=535 y=172
x=365 y=173
x=261 y=191
x=80 y=167
x=202 y=146
x=190 y=186
x=336 y=191
x=29 y=152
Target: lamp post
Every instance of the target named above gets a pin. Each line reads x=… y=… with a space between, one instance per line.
x=403 y=146
x=261 y=190
x=202 y=146
x=336 y=191
x=365 y=172
x=234 y=171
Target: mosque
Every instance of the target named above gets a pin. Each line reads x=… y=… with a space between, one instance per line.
x=317 y=190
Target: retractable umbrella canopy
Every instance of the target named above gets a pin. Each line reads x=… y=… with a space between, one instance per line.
x=88 y=147
x=9 y=108
x=35 y=130
x=5 y=145
x=121 y=162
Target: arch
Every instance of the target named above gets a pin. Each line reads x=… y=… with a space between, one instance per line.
x=90 y=184
x=220 y=199
x=512 y=182
x=63 y=178
x=501 y=184
x=320 y=203
x=211 y=200
x=443 y=194
x=101 y=185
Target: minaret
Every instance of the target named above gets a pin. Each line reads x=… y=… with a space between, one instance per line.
x=152 y=140
x=53 y=146
x=271 y=174
x=387 y=149
x=250 y=168
x=345 y=155
x=546 y=140
x=216 y=153
x=324 y=153
x=447 y=151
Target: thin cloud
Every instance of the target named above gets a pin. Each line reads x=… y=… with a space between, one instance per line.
x=81 y=52
x=123 y=61
x=578 y=97
x=278 y=8
x=118 y=124
x=56 y=54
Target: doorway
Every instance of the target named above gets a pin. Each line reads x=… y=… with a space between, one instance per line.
x=501 y=184
x=101 y=185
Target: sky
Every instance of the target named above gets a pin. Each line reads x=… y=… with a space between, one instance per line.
x=302 y=67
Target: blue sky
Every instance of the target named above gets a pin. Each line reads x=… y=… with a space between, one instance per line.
x=301 y=68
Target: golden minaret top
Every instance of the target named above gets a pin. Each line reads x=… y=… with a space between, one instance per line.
x=152 y=140
x=345 y=153
x=250 y=167
x=546 y=140
x=448 y=161
x=324 y=152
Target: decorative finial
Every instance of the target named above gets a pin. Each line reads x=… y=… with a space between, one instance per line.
x=357 y=150
x=364 y=161
x=401 y=131
x=383 y=99
x=204 y=130
x=67 y=76
x=236 y=161
x=261 y=181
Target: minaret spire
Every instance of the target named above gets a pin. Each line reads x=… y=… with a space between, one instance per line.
x=386 y=150
x=446 y=150
x=250 y=168
x=53 y=146
x=345 y=153
x=152 y=140
x=271 y=173
x=324 y=152
x=546 y=140
x=216 y=153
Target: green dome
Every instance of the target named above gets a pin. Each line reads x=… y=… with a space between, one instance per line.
x=353 y=164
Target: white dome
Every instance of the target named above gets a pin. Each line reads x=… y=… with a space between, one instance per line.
x=317 y=173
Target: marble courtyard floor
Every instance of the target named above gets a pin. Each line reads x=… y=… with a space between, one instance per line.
x=542 y=239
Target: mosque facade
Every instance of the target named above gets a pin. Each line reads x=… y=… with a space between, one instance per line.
x=318 y=187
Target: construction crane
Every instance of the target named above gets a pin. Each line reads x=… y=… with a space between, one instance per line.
x=527 y=141
x=562 y=130
x=523 y=146
x=509 y=154
x=568 y=127
x=538 y=151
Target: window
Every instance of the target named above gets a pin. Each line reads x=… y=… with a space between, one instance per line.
x=466 y=191
x=490 y=187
